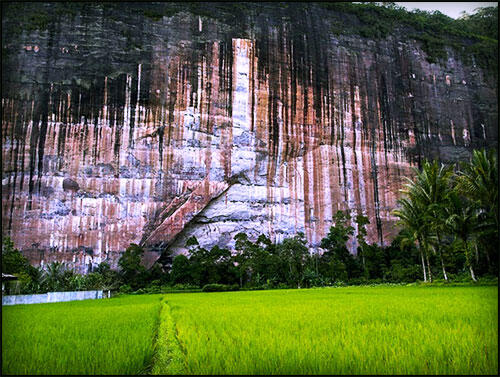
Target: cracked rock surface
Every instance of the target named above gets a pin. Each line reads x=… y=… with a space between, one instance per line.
x=120 y=128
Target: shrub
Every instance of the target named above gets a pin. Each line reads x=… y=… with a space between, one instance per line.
x=359 y=281
x=12 y=260
x=152 y=289
x=185 y=287
x=125 y=289
x=219 y=288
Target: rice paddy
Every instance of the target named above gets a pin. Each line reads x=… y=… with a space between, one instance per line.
x=353 y=330
x=350 y=330
x=112 y=336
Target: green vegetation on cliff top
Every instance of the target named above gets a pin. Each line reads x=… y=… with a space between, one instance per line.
x=471 y=35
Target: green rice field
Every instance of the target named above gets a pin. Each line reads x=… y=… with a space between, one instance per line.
x=113 y=336
x=349 y=330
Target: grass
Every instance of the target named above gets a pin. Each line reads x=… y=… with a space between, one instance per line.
x=352 y=330
x=112 y=336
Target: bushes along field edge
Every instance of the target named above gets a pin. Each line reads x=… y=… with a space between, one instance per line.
x=220 y=288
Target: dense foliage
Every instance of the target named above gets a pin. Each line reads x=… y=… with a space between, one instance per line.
x=449 y=231
x=474 y=37
x=453 y=217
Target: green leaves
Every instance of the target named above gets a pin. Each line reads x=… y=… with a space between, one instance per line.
x=12 y=260
x=440 y=206
x=478 y=181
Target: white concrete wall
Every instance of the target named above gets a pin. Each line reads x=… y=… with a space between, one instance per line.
x=52 y=297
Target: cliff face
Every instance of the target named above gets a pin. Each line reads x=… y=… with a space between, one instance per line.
x=119 y=128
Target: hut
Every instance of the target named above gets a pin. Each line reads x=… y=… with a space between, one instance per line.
x=6 y=278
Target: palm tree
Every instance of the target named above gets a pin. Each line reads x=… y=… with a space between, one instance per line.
x=416 y=229
x=52 y=278
x=463 y=223
x=478 y=182
x=430 y=190
x=422 y=210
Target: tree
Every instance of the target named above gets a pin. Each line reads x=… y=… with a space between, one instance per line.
x=462 y=222
x=376 y=264
x=477 y=181
x=294 y=252
x=221 y=267
x=13 y=261
x=422 y=210
x=31 y=280
x=402 y=262
x=243 y=258
x=110 y=278
x=411 y=218
x=53 y=278
x=483 y=22
x=132 y=271
x=430 y=190
x=362 y=221
x=192 y=241
x=337 y=262
x=180 y=273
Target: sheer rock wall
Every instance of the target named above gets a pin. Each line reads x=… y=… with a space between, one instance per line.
x=117 y=128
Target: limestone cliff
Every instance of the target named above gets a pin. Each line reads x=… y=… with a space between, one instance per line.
x=119 y=126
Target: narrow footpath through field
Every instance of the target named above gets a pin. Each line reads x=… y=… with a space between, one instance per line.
x=168 y=357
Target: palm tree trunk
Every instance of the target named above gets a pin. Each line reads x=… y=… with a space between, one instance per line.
x=472 y=273
x=423 y=265
x=428 y=266
x=420 y=247
x=441 y=256
x=469 y=262
x=442 y=265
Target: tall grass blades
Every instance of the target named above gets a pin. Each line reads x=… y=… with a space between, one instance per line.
x=353 y=330
x=82 y=337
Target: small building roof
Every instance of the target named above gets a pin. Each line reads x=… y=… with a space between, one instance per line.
x=8 y=277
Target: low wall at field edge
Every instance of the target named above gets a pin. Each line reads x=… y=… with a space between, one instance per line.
x=53 y=297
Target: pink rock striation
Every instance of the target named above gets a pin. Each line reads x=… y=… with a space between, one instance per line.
x=257 y=135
